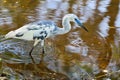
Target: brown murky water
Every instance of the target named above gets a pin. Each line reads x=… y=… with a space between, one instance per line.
x=77 y=55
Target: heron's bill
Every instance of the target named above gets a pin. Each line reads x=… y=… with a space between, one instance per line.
x=84 y=28
x=80 y=24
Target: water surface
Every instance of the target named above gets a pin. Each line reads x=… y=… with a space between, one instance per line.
x=72 y=56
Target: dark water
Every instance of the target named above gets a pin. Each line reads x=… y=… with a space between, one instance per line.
x=77 y=55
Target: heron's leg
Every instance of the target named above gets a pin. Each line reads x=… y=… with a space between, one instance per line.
x=30 y=53
x=43 y=50
x=43 y=46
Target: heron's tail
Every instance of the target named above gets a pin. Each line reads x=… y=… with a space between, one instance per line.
x=11 y=34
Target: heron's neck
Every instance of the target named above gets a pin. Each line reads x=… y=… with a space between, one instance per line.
x=66 y=26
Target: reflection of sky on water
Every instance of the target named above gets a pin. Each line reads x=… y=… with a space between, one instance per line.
x=117 y=22
x=5 y=16
x=87 y=11
x=13 y=47
x=76 y=44
x=52 y=4
x=47 y=6
x=103 y=4
x=117 y=25
x=104 y=26
x=61 y=7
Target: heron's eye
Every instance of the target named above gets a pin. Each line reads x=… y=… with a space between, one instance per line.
x=75 y=19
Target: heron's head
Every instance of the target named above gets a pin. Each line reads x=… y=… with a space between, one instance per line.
x=74 y=18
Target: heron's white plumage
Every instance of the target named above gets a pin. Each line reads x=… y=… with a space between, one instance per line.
x=27 y=32
x=40 y=30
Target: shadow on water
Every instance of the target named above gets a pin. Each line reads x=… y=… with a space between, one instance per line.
x=77 y=55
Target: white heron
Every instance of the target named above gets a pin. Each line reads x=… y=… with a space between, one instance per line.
x=40 y=30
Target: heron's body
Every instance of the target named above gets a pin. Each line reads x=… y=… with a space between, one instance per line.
x=37 y=30
x=40 y=30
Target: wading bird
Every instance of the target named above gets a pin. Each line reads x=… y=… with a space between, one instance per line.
x=40 y=30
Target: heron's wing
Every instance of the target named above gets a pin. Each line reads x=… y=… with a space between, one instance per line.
x=40 y=34
x=19 y=34
x=31 y=27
